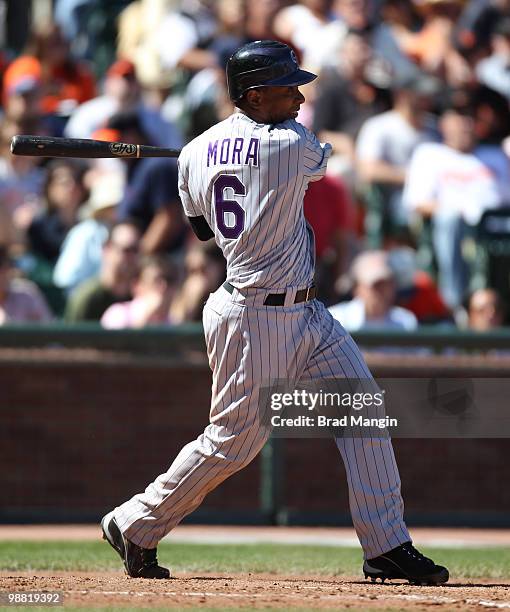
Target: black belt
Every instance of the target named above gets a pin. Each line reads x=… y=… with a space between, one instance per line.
x=278 y=299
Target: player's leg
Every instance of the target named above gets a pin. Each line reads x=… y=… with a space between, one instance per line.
x=228 y=443
x=372 y=475
x=247 y=347
x=375 y=499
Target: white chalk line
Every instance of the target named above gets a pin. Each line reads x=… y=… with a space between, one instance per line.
x=317 y=540
x=440 y=599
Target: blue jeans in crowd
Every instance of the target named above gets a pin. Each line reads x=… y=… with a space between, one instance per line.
x=448 y=232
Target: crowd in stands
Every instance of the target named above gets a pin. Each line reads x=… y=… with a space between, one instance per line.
x=412 y=221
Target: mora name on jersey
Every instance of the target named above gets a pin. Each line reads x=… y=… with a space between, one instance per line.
x=233 y=151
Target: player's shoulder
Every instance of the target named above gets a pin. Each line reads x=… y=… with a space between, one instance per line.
x=294 y=127
x=294 y=132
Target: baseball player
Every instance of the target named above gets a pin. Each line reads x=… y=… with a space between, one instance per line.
x=242 y=182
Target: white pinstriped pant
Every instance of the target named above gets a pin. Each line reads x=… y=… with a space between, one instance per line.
x=249 y=344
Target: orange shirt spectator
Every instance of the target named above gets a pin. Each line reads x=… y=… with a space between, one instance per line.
x=59 y=83
x=432 y=46
x=68 y=82
x=22 y=73
x=48 y=60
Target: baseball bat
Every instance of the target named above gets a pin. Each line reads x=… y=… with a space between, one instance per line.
x=50 y=146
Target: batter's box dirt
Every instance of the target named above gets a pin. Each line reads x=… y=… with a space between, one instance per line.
x=257 y=591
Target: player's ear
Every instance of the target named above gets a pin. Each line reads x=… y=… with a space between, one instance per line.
x=254 y=98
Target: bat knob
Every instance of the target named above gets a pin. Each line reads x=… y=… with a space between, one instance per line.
x=23 y=144
x=14 y=143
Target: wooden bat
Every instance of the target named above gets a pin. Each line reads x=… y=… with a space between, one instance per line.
x=50 y=146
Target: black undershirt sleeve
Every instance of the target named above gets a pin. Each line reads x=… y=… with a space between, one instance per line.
x=201 y=228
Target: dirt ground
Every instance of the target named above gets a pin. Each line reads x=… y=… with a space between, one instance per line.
x=257 y=591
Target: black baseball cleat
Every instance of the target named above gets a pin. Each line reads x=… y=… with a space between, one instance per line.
x=138 y=562
x=405 y=562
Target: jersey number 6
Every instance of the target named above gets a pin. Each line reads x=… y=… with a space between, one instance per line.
x=224 y=206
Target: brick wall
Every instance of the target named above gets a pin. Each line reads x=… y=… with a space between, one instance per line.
x=79 y=435
x=443 y=481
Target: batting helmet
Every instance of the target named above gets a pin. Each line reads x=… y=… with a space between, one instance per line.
x=264 y=63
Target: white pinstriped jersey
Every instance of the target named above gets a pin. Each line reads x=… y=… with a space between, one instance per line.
x=248 y=180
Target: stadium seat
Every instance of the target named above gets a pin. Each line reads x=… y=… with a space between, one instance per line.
x=492 y=266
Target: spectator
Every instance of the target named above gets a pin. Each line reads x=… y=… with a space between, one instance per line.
x=136 y=41
x=491 y=113
x=156 y=59
x=91 y=28
x=66 y=82
x=475 y=26
x=373 y=305
x=21 y=185
x=151 y=197
x=119 y=267
x=21 y=94
x=301 y=24
x=80 y=256
x=432 y=46
x=122 y=94
x=416 y=289
x=329 y=210
x=64 y=192
x=152 y=291
x=403 y=20
x=204 y=272
x=387 y=141
x=361 y=16
x=494 y=71
x=70 y=15
x=485 y=310
x=206 y=99
x=184 y=35
x=260 y=18
x=20 y=300
x=346 y=96
x=453 y=183
x=231 y=30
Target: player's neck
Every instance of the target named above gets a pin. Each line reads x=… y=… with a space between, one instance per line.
x=254 y=115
